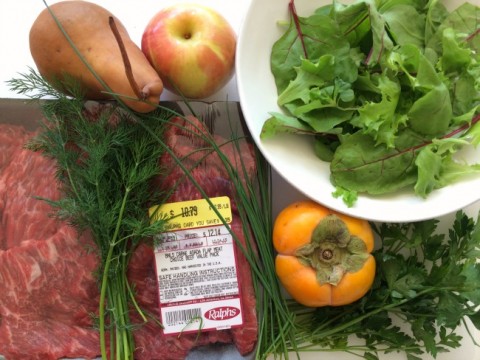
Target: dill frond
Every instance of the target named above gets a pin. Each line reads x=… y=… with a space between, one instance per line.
x=105 y=164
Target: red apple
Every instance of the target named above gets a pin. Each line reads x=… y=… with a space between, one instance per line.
x=192 y=47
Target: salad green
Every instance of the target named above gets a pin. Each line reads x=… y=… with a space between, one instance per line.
x=389 y=89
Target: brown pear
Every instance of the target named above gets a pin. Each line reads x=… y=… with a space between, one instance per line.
x=104 y=44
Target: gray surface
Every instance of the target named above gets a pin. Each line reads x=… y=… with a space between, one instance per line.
x=217 y=352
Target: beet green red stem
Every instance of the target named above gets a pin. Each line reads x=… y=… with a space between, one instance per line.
x=296 y=20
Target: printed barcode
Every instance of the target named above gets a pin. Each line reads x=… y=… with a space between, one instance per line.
x=182 y=316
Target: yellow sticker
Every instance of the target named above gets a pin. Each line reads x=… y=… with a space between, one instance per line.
x=193 y=213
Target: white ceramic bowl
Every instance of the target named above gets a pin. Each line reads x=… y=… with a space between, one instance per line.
x=291 y=155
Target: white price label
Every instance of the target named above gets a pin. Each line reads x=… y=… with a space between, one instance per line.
x=197 y=279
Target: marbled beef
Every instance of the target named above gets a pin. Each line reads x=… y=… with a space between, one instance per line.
x=48 y=290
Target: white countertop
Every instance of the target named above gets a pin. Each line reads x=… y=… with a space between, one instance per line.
x=16 y=18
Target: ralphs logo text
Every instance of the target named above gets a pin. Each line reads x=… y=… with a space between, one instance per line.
x=222 y=313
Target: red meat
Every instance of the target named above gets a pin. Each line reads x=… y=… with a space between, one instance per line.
x=48 y=290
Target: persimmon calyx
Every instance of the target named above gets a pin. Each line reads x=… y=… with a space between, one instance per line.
x=333 y=251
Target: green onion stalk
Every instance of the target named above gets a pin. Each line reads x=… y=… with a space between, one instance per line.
x=253 y=196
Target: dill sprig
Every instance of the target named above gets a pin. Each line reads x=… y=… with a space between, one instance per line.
x=105 y=165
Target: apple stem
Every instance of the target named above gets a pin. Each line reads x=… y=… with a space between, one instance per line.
x=126 y=61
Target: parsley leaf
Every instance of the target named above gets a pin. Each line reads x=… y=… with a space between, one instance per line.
x=426 y=285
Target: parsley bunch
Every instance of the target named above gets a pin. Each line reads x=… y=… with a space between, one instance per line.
x=427 y=285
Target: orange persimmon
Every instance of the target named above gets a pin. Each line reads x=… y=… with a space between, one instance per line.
x=323 y=257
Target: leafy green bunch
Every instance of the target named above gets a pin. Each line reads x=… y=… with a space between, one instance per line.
x=389 y=89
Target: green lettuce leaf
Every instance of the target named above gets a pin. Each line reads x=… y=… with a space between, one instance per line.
x=379 y=119
x=321 y=36
x=308 y=75
x=437 y=166
x=362 y=166
x=281 y=123
x=431 y=114
x=406 y=24
x=464 y=20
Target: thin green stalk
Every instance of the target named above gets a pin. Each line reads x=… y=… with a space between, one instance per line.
x=111 y=329
x=117 y=337
x=101 y=307
x=346 y=325
x=122 y=310
x=105 y=277
x=131 y=294
x=307 y=317
x=472 y=337
x=246 y=200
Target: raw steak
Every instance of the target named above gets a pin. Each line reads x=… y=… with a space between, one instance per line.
x=209 y=171
x=48 y=292
x=47 y=288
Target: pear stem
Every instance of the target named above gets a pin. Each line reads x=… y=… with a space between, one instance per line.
x=126 y=61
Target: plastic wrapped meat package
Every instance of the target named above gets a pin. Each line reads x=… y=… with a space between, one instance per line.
x=49 y=290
